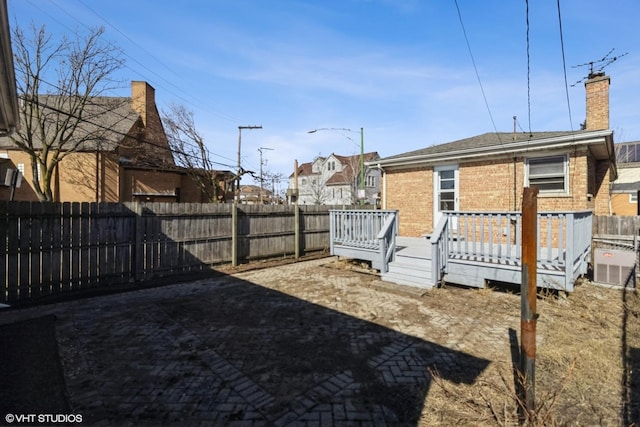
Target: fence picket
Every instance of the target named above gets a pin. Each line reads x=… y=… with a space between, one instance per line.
x=13 y=274
x=35 y=251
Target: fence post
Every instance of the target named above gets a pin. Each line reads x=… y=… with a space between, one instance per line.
x=234 y=234
x=296 y=220
x=138 y=244
x=528 y=314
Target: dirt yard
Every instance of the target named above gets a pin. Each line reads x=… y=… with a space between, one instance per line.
x=587 y=364
x=588 y=347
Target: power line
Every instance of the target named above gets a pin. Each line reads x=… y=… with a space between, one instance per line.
x=473 y=61
x=122 y=134
x=54 y=87
x=564 y=66
x=528 y=69
x=178 y=93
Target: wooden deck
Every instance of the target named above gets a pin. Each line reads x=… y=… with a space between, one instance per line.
x=412 y=265
x=483 y=247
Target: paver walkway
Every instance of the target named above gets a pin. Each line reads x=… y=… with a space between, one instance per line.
x=300 y=344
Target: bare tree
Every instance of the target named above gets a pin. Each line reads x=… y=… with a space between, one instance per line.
x=268 y=181
x=58 y=82
x=191 y=153
x=318 y=188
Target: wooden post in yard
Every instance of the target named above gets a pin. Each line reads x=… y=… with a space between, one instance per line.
x=528 y=315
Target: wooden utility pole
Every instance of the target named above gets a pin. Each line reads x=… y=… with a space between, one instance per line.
x=528 y=315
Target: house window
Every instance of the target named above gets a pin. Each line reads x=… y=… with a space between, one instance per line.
x=371 y=181
x=548 y=174
x=633 y=198
x=21 y=168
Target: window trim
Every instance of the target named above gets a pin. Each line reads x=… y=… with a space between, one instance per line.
x=633 y=196
x=565 y=173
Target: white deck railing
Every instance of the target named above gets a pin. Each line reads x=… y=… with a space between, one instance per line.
x=364 y=234
x=563 y=240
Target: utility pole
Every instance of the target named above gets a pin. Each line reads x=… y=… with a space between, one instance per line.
x=528 y=314
x=234 y=210
x=239 y=147
x=261 y=163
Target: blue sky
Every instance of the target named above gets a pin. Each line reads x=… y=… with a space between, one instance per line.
x=400 y=69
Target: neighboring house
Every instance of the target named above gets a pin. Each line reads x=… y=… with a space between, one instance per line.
x=254 y=194
x=624 y=191
x=572 y=170
x=128 y=160
x=335 y=180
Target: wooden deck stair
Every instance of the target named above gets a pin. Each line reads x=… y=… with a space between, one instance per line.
x=412 y=264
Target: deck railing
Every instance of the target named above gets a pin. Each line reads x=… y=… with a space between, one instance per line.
x=563 y=239
x=440 y=240
x=387 y=241
x=369 y=234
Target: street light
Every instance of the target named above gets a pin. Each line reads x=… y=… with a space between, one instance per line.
x=361 y=156
x=235 y=199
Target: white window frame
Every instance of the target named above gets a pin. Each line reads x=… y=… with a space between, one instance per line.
x=633 y=198
x=565 y=173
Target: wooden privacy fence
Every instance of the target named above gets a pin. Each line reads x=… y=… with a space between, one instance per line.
x=616 y=225
x=50 y=248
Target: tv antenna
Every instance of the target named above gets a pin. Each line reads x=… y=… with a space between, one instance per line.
x=598 y=66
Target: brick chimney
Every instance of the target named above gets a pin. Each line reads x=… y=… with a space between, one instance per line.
x=143 y=99
x=156 y=151
x=597 y=89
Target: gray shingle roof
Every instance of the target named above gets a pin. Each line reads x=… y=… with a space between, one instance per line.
x=489 y=139
x=106 y=121
x=625 y=187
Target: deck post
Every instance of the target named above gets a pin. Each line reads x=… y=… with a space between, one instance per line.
x=570 y=252
x=528 y=314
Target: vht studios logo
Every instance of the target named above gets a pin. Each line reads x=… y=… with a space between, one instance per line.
x=43 y=418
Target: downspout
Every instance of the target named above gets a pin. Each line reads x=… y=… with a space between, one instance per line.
x=383 y=182
x=515 y=183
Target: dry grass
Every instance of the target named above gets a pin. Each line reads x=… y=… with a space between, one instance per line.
x=584 y=368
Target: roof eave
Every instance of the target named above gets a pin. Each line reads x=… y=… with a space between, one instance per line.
x=581 y=139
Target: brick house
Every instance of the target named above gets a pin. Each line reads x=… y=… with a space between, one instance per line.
x=572 y=170
x=125 y=158
x=335 y=180
x=255 y=195
x=624 y=191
